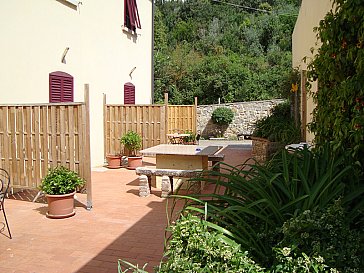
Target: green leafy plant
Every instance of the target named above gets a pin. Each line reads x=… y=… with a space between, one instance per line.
x=339 y=67
x=61 y=180
x=289 y=261
x=279 y=126
x=325 y=233
x=222 y=116
x=189 y=139
x=132 y=141
x=195 y=247
x=253 y=201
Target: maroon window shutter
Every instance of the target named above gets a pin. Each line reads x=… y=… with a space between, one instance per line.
x=129 y=93
x=60 y=87
x=131 y=15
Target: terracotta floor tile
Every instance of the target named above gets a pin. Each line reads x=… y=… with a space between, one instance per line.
x=121 y=225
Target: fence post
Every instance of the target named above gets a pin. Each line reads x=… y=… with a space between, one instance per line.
x=195 y=116
x=104 y=123
x=166 y=113
x=86 y=157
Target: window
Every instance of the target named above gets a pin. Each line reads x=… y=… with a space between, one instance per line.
x=131 y=15
x=60 y=87
x=129 y=93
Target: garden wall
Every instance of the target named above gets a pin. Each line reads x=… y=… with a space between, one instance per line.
x=246 y=114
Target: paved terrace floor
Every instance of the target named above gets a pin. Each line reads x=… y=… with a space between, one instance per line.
x=121 y=225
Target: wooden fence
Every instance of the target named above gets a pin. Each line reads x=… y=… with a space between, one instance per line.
x=35 y=137
x=152 y=122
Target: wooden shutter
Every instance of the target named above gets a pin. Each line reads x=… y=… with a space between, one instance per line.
x=60 y=87
x=131 y=15
x=129 y=93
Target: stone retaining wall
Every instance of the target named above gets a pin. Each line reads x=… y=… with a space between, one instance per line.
x=246 y=114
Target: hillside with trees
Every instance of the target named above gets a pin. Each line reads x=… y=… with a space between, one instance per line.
x=232 y=51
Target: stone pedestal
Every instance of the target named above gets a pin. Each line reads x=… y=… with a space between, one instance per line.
x=144 y=189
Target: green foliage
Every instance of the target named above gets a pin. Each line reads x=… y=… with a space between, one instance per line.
x=125 y=266
x=339 y=68
x=194 y=247
x=289 y=261
x=222 y=51
x=279 y=126
x=60 y=180
x=189 y=139
x=325 y=233
x=254 y=201
x=132 y=141
x=222 y=116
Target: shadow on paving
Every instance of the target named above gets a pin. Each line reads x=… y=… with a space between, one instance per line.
x=142 y=243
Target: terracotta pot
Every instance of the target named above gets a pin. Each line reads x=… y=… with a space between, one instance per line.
x=113 y=161
x=60 y=206
x=134 y=162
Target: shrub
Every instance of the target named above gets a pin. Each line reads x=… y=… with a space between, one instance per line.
x=339 y=68
x=222 y=116
x=288 y=261
x=279 y=126
x=327 y=234
x=253 y=201
x=196 y=248
x=60 y=180
x=132 y=141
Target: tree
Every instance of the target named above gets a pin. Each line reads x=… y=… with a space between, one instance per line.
x=214 y=50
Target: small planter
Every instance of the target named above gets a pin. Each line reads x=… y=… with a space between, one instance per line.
x=113 y=161
x=60 y=206
x=59 y=186
x=134 y=162
x=263 y=149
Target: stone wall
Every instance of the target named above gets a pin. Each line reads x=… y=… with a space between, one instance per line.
x=246 y=114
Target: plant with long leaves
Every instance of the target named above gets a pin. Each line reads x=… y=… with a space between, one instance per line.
x=251 y=202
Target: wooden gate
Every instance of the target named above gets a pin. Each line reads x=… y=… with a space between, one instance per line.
x=35 y=137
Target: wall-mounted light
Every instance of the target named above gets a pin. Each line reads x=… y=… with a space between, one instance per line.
x=64 y=55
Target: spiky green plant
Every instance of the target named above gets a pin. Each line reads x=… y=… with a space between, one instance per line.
x=253 y=201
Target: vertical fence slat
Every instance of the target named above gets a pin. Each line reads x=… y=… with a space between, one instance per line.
x=37 y=146
x=62 y=135
x=45 y=139
x=71 y=138
x=28 y=137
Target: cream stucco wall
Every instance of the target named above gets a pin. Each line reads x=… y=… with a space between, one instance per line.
x=304 y=38
x=35 y=35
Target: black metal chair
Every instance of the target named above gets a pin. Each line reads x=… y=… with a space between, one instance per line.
x=5 y=182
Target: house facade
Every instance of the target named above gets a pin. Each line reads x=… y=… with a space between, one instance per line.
x=51 y=48
x=303 y=40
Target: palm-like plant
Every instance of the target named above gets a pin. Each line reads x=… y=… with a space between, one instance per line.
x=251 y=202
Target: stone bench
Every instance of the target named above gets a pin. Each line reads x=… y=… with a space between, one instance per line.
x=216 y=158
x=145 y=178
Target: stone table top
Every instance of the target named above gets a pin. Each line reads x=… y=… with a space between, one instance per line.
x=173 y=149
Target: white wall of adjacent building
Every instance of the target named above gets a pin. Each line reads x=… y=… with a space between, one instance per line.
x=304 y=39
x=34 y=35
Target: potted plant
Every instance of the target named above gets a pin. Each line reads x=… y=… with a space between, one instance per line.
x=132 y=141
x=59 y=186
x=113 y=161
